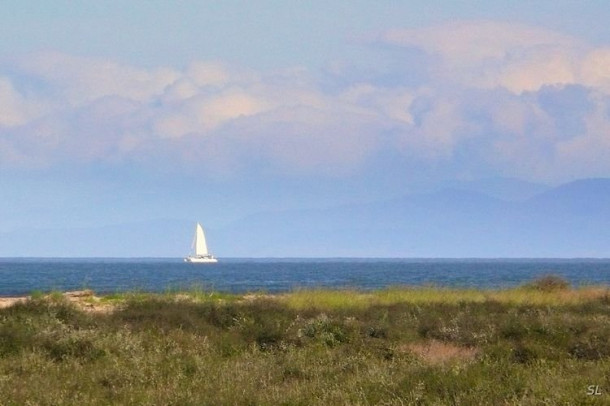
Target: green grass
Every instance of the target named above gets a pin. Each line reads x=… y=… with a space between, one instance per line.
x=524 y=295
x=398 y=346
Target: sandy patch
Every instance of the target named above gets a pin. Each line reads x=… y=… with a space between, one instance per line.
x=84 y=299
x=256 y=296
x=438 y=352
x=9 y=301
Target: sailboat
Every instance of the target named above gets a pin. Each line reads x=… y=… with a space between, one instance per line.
x=202 y=256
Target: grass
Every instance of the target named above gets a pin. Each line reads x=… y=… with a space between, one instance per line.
x=398 y=346
x=528 y=294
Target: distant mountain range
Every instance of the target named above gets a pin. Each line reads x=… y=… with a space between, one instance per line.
x=571 y=220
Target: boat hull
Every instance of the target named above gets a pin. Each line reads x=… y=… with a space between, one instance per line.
x=201 y=260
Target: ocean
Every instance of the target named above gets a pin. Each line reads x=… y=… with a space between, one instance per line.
x=23 y=276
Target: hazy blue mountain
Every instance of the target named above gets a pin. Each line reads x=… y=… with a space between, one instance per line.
x=567 y=221
x=586 y=195
x=503 y=188
x=570 y=220
x=414 y=225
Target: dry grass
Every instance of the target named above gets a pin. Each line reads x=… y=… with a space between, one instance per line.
x=436 y=352
x=344 y=299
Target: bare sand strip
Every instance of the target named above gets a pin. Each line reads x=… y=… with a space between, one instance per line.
x=85 y=299
x=9 y=301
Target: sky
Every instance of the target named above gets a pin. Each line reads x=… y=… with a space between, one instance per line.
x=119 y=111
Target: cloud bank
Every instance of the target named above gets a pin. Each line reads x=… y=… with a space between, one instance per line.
x=479 y=98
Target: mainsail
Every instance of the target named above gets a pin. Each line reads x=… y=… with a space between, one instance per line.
x=201 y=248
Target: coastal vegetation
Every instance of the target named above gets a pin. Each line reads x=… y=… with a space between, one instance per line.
x=541 y=343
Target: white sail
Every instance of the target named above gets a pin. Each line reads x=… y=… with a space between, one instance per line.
x=201 y=248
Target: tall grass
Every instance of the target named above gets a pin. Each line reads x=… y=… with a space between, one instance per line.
x=524 y=295
x=399 y=346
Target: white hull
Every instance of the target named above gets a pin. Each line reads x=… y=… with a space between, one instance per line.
x=201 y=260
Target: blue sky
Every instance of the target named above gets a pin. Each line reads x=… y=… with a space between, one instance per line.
x=259 y=34
x=115 y=111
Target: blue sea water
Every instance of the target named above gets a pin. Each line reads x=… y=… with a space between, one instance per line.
x=106 y=275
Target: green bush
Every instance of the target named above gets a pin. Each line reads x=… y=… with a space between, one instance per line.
x=549 y=283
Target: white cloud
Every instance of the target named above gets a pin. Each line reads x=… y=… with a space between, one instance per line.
x=587 y=154
x=15 y=108
x=595 y=69
x=304 y=139
x=393 y=103
x=487 y=54
x=80 y=80
x=543 y=67
x=491 y=101
x=181 y=89
x=475 y=41
x=11 y=105
x=207 y=111
x=202 y=114
x=228 y=105
x=208 y=73
x=437 y=130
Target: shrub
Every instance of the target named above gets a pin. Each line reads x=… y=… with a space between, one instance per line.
x=549 y=283
x=72 y=347
x=523 y=354
x=326 y=330
x=14 y=337
x=590 y=348
x=376 y=332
